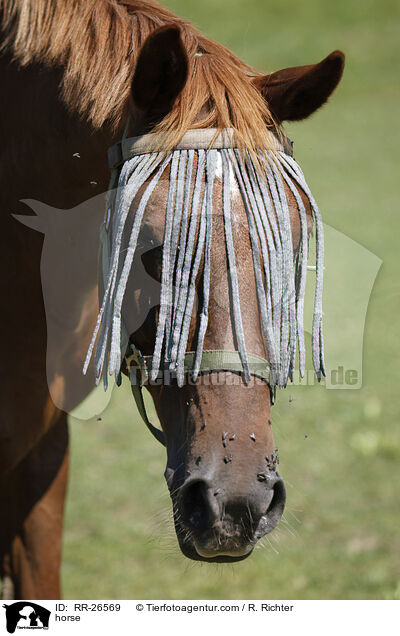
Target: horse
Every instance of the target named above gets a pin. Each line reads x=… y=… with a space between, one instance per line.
x=71 y=77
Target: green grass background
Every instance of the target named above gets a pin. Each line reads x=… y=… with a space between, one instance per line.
x=339 y=538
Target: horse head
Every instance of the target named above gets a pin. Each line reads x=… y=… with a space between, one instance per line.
x=222 y=464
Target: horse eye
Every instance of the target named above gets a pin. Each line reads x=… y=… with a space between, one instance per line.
x=152 y=262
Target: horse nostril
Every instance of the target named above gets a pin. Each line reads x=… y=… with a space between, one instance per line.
x=196 y=511
x=277 y=504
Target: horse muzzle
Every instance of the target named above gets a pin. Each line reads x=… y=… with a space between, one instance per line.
x=221 y=524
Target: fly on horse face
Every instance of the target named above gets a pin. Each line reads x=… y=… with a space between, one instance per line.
x=207 y=199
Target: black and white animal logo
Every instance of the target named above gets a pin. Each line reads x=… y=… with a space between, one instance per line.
x=26 y=615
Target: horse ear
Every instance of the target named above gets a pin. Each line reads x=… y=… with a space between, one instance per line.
x=161 y=71
x=297 y=92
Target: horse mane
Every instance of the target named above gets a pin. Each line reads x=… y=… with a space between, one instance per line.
x=96 y=44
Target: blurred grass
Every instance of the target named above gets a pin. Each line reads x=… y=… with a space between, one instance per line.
x=340 y=450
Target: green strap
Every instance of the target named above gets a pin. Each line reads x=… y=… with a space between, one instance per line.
x=212 y=362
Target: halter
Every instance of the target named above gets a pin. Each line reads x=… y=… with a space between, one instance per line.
x=137 y=159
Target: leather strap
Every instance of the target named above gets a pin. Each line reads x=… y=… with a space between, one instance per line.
x=137 y=393
x=202 y=138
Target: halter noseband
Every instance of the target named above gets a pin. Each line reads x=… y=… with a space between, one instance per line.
x=213 y=361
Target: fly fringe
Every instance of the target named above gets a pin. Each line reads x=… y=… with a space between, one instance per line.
x=280 y=275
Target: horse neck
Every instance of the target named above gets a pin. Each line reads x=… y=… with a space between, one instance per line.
x=47 y=154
